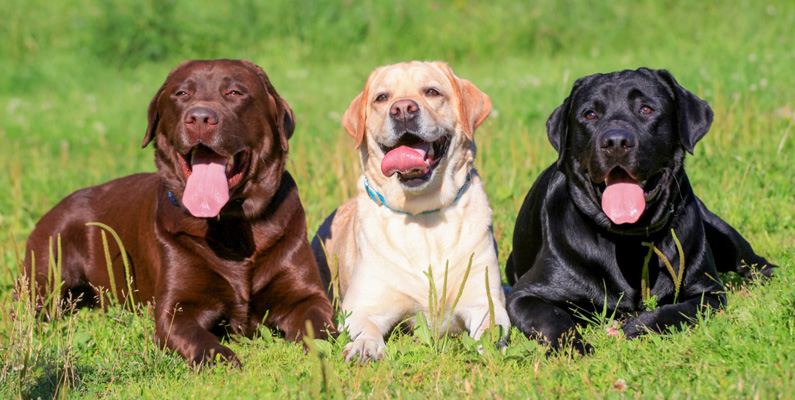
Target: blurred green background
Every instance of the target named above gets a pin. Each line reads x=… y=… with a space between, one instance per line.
x=77 y=76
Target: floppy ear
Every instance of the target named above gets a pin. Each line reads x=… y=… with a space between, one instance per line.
x=287 y=125
x=474 y=106
x=558 y=121
x=353 y=119
x=558 y=125
x=153 y=116
x=693 y=114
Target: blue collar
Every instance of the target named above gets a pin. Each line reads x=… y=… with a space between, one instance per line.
x=176 y=203
x=379 y=199
x=173 y=199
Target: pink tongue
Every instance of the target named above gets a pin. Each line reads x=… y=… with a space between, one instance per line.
x=207 y=189
x=623 y=202
x=405 y=159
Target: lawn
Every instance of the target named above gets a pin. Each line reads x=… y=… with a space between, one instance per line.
x=76 y=78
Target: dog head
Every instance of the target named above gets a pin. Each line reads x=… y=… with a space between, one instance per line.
x=414 y=124
x=621 y=140
x=220 y=131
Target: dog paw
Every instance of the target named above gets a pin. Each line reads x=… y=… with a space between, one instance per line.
x=364 y=350
x=570 y=346
x=633 y=328
x=216 y=355
x=582 y=347
x=575 y=349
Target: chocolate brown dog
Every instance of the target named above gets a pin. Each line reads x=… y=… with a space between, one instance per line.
x=582 y=235
x=217 y=237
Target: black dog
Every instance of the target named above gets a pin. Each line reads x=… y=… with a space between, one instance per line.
x=619 y=182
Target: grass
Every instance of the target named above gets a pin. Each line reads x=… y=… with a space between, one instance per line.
x=76 y=77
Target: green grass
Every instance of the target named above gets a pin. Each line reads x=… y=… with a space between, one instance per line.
x=76 y=78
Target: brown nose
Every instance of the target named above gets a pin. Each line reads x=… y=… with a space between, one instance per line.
x=404 y=110
x=201 y=118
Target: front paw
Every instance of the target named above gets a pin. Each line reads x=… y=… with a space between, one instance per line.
x=575 y=345
x=633 y=328
x=364 y=350
x=216 y=354
x=766 y=272
x=581 y=347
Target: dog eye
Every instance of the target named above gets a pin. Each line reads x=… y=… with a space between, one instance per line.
x=181 y=93
x=381 y=97
x=590 y=115
x=646 y=110
x=432 y=92
x=234 y=93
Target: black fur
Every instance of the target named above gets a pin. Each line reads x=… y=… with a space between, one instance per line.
x=570 y=259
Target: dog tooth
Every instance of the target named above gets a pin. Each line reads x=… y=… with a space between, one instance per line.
x=431 y=152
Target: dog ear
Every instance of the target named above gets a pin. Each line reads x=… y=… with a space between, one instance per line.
x=693 y=115
x=474 y=106
x=354 y=117
x=287 y=126
x=558 y=121
x=558 y=125
x=153 y=116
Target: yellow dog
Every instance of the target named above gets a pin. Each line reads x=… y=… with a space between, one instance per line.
x=420 y=203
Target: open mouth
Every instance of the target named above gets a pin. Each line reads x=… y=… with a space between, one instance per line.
x=209 y=177
x=233 y=166
x=412 y=159
x=651 y=187
x=624 y=197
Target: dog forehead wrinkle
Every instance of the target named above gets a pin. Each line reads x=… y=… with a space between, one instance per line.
x=220 y=73
x=428 y=77
x=636 y=93
x=407 y=79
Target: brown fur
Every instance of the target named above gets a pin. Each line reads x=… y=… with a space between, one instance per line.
x=205 y=275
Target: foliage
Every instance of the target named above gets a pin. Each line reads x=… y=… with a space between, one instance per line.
x=76 y=77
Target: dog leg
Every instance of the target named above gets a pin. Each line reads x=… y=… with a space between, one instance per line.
x=550 y=325
x=478 y=320
x=178 y=329
x=670 y=315
x=732 y=251
x=368 y=338
x=314 y=309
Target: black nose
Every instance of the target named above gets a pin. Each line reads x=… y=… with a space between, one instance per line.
x=201 y=116
x=404 y=110
x=617 y=142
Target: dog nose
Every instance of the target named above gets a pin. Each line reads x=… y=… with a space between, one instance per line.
x=201 y=116
x=404 y=110
x=617 y=142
